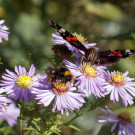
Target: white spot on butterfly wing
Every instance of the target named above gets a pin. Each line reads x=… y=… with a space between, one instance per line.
x=128 y=51
x=62 y=30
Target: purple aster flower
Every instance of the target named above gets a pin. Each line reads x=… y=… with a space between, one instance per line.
x=3 y=31
x=123 y=121
x=90 y=78
x=63 y=94
x=8 y=111
x=4 y=103
x=118 y=84
x=18 y=85
x=57 y=39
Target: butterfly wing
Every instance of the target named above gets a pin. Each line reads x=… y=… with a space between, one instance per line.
x=105 y=58
x=111 y=57
x=68 y=36
x=62 y=51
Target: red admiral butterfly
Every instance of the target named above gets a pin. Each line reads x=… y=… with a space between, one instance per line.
x=104 y=58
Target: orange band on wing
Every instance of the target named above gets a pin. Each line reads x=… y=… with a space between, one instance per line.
x=117 y=53
x=71 y=38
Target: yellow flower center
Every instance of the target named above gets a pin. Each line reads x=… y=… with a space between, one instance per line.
x=125 y=118
x=60 y=87
x=117 y=79
x=24 y=81
x=88 y=70
x=80 y=37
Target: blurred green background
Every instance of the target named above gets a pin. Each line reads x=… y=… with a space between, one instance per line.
x=109 y=23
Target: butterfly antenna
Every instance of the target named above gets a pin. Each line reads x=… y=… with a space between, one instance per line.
x=55 y=26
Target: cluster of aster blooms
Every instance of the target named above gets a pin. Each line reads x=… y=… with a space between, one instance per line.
x=68 y=95
x=8 y=109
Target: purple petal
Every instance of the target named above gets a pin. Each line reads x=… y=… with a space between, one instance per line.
x=31 y=70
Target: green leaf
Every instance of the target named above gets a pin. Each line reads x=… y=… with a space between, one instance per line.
x=74 y=127
x=36 y=125
x=30 y=128
x=6 y=130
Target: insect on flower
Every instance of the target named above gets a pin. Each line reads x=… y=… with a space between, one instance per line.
x=90 y=79
x=103 y=58
x=58 y=85
x=62 y=74
x=64 y=49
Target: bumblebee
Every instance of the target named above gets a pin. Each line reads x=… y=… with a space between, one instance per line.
x=59 y=74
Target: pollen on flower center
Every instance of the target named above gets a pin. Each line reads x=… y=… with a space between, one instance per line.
x=60 y=87
x=80 y=37
x=24 y=81
x=125 y=118
x=117 y=79
x=88 y=70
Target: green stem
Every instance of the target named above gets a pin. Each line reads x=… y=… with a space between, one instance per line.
x=21 y=115
x=72 y=119
x=77 y=115
x=20 y=126
x=31 y=118
x=92 y=107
